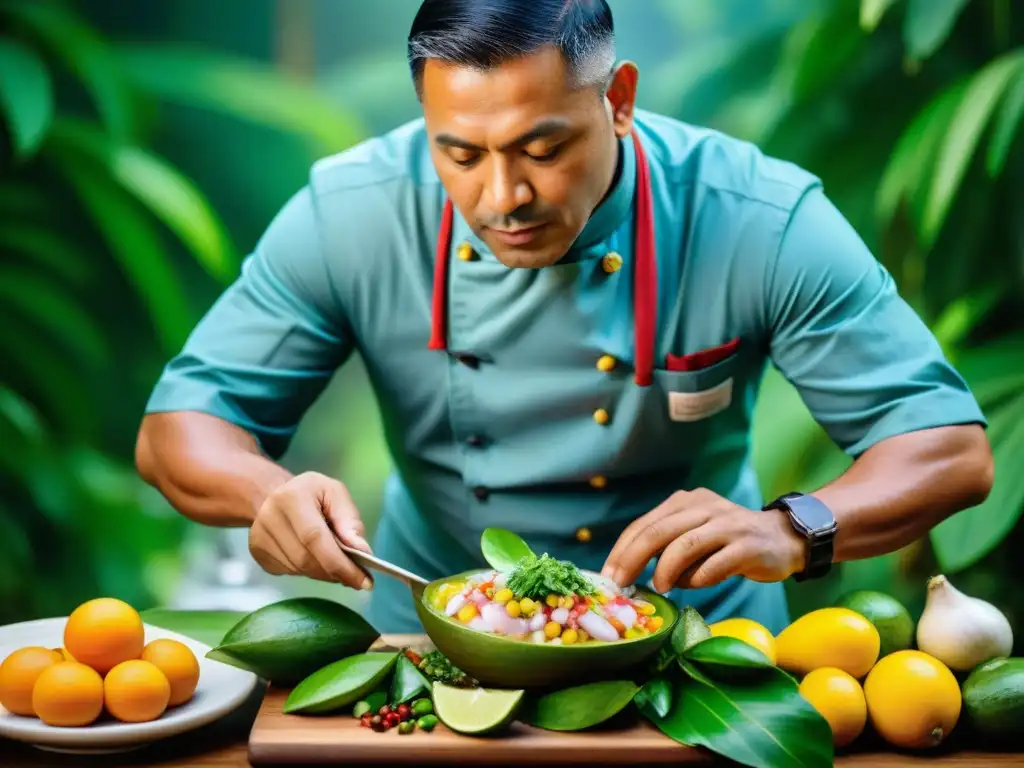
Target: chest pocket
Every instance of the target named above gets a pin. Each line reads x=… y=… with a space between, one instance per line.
x=694 y=388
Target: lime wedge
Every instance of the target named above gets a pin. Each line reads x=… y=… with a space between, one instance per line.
x=475 y=711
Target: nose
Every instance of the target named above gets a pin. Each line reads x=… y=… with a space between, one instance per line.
x=507 y=192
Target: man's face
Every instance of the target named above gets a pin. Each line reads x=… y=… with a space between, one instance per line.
x=525 y=156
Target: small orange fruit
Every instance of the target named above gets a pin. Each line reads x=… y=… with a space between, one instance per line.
x=18 y=674
x=68 y=694
x=179 y=665
x=104 y=632
x=136 y=691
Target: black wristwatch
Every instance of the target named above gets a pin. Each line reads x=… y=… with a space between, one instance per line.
x=816 y=523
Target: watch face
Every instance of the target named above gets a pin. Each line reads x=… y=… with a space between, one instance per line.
x=812 y=514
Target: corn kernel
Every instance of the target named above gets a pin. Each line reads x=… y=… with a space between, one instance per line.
x=503 y=595
x=513 y=608
x=467 y=612
x=552 y=600
x=633 y=633
x=569 y=637
x=602 y=598
x=645 y=609
x=552 y=629
x=655 y=623
x=582 y=636
x=528 y=606
x=566 y=602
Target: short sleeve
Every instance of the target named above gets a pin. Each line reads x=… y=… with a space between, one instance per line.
x=271 y=342
x=862 y=360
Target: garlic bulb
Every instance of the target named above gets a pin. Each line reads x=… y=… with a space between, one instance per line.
x=959 y=630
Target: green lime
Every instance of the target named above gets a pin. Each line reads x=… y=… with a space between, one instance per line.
x=475 y=710
x=890 y=617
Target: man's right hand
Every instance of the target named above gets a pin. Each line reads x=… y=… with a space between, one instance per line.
x=291 y=533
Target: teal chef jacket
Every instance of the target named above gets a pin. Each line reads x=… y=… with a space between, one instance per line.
x=531 y=419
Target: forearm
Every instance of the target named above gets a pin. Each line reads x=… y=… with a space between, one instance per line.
x=901 y=488
x=210 y=471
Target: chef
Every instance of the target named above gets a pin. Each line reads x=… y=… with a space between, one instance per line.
x=565 y=306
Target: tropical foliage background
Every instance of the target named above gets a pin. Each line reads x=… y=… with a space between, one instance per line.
x=146 y=146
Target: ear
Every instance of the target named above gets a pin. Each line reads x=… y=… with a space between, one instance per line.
x=622 y=97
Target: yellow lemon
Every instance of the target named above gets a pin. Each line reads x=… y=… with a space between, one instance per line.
x=839 y=698
x=828 y=637
x=913 y=699
x=748 y=631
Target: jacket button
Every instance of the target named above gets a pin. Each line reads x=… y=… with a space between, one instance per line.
x=583 y=535
x=598 y=481
x=465 y=252
x=611 y=262
x=605 y=363
x=601 y=416
x=481 y=492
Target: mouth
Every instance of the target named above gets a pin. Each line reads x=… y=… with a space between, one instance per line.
x=521 y=236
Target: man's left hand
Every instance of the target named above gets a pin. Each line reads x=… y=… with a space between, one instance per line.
x=703 y=539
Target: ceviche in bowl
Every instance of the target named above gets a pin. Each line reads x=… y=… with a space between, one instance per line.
x=535 y=621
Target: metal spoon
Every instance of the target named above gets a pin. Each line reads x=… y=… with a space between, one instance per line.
x=375 y=563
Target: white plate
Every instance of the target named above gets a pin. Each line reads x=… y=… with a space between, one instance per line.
x=221 y=689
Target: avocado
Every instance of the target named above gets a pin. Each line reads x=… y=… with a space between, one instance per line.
x=890 y=617
x=993 y=695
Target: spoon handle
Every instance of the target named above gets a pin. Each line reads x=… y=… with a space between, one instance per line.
x=376 y=564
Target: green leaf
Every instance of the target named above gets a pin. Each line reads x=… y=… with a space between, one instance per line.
x=968 y=536
x=205 y=626
x=725 y=654
x=241 y=88
x=133 y=241
x=655 y=698
x=47 y=307
x=47 y=247
x=65 y=37
x=174 y=199
x=690 y=630
x=962 y=137
x=910 y=167
x=928 y=23
x=26 y=96
x=824 y=47
x=871 y=12
x=503 y=549
x=408 y=682
x=22 y=420
x=579 y=707
x=960 y=317
x=769 y=724
x=340 y=683
x=1004 y=132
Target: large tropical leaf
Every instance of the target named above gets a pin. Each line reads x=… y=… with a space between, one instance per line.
x=241 y=88
x=172 y=197
x=26 y=96
x=968 y=536
x=47 y=307
x=68 y=39
x=130 y=235
x=871 y=12
x=960 y=317
x=46 y=248
x=928 y=23
x=962 y=136
x=821 y=48
x=1004 y=132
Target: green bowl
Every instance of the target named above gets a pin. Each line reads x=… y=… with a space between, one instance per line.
x=502 y=662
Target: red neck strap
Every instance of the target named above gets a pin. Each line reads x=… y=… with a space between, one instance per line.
x=645 y=275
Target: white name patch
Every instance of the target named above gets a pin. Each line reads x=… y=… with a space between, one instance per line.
x=694 y=406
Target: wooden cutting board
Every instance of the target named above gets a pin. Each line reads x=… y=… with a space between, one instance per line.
x=277 y=738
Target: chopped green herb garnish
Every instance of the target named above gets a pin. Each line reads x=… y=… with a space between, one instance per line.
x=437 y=666
x=539 y=577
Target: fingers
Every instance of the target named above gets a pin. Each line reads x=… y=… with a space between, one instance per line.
x=343 y=517
x=312 y=533
x=630 y=562
x=685 y=552
x=718 y=567
x=634 y=529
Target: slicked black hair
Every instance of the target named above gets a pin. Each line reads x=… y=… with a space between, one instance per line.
x=485 y=33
